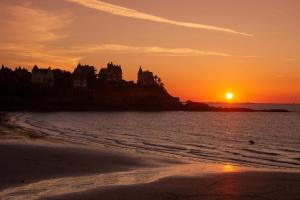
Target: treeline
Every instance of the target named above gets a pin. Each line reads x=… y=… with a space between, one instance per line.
x=18 y=76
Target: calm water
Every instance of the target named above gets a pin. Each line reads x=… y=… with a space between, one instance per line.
x=260 y=106
x=214 y=137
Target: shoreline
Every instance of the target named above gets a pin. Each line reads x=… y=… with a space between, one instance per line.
x=95 y=109
x=35 y=171
x=37 y=168
x=239 y=186
x=39 y=171
x=26 y=162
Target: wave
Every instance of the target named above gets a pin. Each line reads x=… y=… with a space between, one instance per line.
x=220 y=142
x=261 y=152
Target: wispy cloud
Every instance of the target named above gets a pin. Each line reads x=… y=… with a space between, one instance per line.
x=34 y=36
x=71 y=55
x=26 y=24
x=29 y=54
x=157 y=50
x=289 y=59
x=27 y=33
x=126 y=12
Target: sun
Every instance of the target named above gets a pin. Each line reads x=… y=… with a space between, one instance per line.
x=229 y=95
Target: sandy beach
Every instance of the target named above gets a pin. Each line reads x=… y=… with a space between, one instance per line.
x=27 y=166
x=34 y=168
x=239 y=186
x=25 y=163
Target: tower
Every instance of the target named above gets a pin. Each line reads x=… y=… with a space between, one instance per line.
x=140 y=75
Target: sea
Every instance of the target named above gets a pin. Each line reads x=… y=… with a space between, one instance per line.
x=255 y=139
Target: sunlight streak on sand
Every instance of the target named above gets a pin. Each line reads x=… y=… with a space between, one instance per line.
x=61 y=186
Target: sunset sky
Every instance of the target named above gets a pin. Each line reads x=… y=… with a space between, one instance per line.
x=200 y=48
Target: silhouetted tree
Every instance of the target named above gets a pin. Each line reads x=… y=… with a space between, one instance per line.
x=22 y=76
x=62 y=79
x=35 y=68
x=6 y=75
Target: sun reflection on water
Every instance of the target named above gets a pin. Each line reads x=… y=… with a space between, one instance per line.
x=229 y=168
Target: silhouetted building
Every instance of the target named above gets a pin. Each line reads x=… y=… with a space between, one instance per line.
x=112 y=73
x=84 y=76
x=62 y=79
x=145 y=78
x=16 y=77
x=22 y=75
x=42 y=77
x=6 y=75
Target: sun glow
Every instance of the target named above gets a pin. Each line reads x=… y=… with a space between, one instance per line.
x=229 y=95
x=229 y=168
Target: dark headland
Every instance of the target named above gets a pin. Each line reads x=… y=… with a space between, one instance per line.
x=46 y=89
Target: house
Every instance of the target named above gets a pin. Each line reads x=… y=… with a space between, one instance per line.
x=83 y=76
x=112 y=73
x=146 y=78
x=42 y=77
x=22 y=75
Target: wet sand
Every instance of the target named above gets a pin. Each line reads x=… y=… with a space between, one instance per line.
x=24 y=168
x=226 y=186
x=37 y=170
x=25 y=163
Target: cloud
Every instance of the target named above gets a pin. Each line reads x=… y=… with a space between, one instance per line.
x=146 y=49
x=30 y=54
x=126 y=12
x=289 y=59
x=34 y=36
x=28 y=34
x=26 y=24
x=69 y=56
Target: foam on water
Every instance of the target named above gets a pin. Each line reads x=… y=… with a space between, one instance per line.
x=216 y=137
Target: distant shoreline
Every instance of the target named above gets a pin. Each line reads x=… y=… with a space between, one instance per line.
x=45 y=89
x=145 y=106
x=211 y=109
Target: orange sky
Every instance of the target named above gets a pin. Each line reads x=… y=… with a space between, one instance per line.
x=200 y=48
